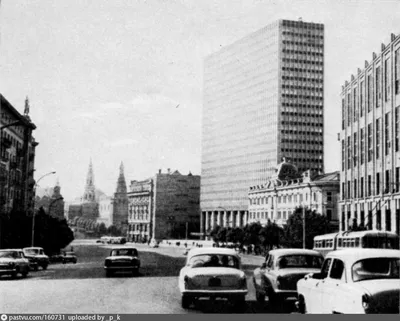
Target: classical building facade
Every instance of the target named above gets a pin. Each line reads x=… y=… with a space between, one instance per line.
x=164 y=206
x=288 y=189
x=263 y=100
x=370 y=169
x=17 y=157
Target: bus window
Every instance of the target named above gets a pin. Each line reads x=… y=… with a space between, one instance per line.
x=357 y=242
x=323 y=243
x=340 y=243
x=352 y=243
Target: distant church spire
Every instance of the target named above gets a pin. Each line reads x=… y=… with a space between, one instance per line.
x=121 y=183
x=26 y=110
x=89 y=195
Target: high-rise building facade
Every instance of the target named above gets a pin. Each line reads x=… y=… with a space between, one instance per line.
x=370 y=143
x=263 y=100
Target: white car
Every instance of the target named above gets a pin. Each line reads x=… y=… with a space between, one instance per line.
x=212 y=273
x=353 y=281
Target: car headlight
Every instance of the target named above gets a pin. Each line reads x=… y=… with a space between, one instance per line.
x=188 y=282
x=279 y=282
x=243 y=281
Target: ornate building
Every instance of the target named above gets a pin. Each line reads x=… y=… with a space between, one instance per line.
x=288 y=189
x=52 y=203
x=90 y=205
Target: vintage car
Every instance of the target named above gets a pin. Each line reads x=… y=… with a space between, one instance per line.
x=278 y=275
x=353 y=281
x=212 y=273
x=69 y=257
x=13 y=262
x=36 y=254
x=122 y=259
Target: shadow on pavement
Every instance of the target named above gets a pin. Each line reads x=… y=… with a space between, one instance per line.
x=223 y=306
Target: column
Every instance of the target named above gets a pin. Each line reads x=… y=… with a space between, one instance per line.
x=238 y=218
x=212 y=219
x=207 y=222
x=219 y=218
x=225 y=218
x=233 y=219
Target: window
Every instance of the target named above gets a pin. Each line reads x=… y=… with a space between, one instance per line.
x=337 y=270
x=387 y=181
x=396 y=129
x=387 y=133
x=349 y=114
x=369 y=185
x=343 y=114
x=355 y=109
x=343 y=156
x=397 y=71
x=378 y=87
x=325 y=268
x=348 y=152
x=369 y=142
x=329 y=215
x=370 y=91
x=386 y=80
x=361 y=98
x=355 y=149
x=355 y=189
x=378 y=140
x=378 y=187
x=397 y=178
x=362 y=147
x=329 y=196
x=362 y=187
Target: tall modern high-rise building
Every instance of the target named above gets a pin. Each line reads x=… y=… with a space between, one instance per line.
x=263 y=100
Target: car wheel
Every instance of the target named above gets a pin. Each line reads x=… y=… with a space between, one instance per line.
x=25 y=274
x=185 y=302
x=135 y=272
x=240 y=304
x=272 y=297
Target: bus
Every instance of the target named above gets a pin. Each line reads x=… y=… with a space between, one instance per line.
x=371 y=239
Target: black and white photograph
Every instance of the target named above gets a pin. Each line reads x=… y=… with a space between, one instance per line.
x=199 y=157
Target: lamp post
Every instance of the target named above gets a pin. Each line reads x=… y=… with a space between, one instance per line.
x=34 y=201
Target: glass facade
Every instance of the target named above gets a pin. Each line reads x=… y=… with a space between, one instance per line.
x=263 y=100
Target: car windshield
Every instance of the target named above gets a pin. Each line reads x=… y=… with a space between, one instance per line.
x=300 y=261
x=123 y=252
x=9 y=254
x=214 y=260
x=33 y=251
x=376 y=268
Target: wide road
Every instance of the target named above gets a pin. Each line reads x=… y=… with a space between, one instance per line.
x=83 y=287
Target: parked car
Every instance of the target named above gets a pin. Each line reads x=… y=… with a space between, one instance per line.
x=69 y=257
x=13 y=262
x=122 y=259
x=212 y=273
x=353 y=281
x=56 y=258
x=36 y=254
x=278 y=275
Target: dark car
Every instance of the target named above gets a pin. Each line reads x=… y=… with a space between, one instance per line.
x=122 y=259
x=36 y=255
x=56 y=258
x=69 y=257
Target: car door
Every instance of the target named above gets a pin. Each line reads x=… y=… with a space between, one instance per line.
x=314 y=300
x=332 y=288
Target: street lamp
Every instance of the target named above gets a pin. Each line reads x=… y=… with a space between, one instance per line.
x=33 y=216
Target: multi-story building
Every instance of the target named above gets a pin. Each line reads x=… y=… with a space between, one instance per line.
x=17 y=156
x=164 y=206
x=370 y=169
x=263 y=100
x=288 y=189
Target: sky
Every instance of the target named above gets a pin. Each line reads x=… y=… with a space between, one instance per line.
x=122 y=80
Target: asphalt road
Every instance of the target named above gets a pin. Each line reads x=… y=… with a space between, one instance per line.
x=83 y=287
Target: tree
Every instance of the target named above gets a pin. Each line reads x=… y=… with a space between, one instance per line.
x=316 y=224
x=251 y=233
x=270 y=235
x=102 y=229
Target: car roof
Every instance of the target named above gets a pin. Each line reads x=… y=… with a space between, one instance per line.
x=353 y=255
x=211 y=250
x=33 y=248
x=279 y=252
